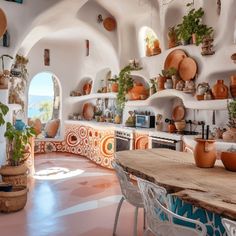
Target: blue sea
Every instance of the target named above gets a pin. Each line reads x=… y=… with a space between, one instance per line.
x=34 y=102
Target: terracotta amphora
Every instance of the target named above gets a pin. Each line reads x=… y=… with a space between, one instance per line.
x=205 y=153
x=220 y=90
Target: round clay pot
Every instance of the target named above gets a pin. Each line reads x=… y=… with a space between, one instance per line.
x=233 y=86
x=229 y=135
x=114 y=87
x=87 y=88
x=205 y=153
x=229 y=160
x=220 y=90
x=138 y=91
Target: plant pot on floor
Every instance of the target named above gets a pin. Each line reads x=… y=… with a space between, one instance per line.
x=15 y=175
x=14 y=200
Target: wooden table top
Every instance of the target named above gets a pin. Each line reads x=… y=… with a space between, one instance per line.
x=213 y=189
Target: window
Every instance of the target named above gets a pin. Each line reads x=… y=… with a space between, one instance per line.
x=44 y=98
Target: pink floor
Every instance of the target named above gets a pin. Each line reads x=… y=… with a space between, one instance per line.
x=70 y=196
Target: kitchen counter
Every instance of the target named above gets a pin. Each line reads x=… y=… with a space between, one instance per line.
x=212 y=190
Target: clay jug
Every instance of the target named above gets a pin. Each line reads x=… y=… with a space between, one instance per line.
x=220 y=90
x=87 y=88
x=205 y=153
x=233 y=86
x=171 y=128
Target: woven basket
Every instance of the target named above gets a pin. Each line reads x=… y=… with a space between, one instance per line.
x=14 y=200
x=15 y=180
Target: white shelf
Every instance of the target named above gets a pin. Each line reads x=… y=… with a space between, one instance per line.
x=141 y=73
x=189 y=101
x=90 y=96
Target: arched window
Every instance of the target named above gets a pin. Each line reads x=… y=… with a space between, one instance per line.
x=44 y=98
x=148 y=42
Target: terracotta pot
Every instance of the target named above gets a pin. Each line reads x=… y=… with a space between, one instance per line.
x=220 y=90
x=205 y=153
x=87 y=88
x=229 y=135
x=3 y=82
x=229 y=160
x=171 y=128
x=156 y=48
x=138 y=91
x=114 y=87
x=161 y=83
x=233 y=86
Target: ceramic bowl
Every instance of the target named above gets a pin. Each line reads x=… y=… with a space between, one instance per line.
x=229 y=160
x=180 y=125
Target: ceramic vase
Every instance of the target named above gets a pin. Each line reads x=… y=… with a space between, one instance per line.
x=161 y=83
x=168 y=84
x=205 y=153
x=220 y=90
x=233 y=86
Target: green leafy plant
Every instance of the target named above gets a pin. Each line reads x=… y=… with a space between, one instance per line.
x=231 y=106
x=168 y=72
x=125 y=84
x=17 y=142
x=3 y=111
x=192 y=24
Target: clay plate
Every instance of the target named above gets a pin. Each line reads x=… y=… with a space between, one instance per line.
x=109 y=24
x=178 y=113
x=174 y=58
x=3 y=23
x=88 y=111
x=187 y=68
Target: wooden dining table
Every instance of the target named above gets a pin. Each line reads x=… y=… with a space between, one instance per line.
x=212 y=189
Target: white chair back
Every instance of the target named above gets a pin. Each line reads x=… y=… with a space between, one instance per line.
x=160 y=220
x=230 y=226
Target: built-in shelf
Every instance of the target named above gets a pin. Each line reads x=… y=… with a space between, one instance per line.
x=189 y=101
x=90 y=96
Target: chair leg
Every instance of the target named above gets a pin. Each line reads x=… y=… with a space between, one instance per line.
x=117 y=215
x=136 y=221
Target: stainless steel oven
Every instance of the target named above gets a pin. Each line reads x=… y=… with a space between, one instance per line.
x=124 y=140
x=158 y=139
x=166 y=143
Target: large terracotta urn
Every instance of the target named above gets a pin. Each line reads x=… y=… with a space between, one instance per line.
x=233 y=86
x=220 y=90
x=205 y=153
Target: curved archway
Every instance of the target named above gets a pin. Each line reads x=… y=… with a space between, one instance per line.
x=44 y=98
x=147 y=37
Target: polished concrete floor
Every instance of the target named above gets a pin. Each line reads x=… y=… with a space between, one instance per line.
x=70 y=196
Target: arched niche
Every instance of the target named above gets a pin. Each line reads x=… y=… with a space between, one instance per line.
x=146 y=36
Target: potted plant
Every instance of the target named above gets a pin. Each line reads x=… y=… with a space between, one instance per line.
x=18 y=147
x=192 y=27
x=230 y=134
x=172 y=37
x=125 y=84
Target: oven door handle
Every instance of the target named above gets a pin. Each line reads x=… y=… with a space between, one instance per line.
x=121 y=138
x=164 y=140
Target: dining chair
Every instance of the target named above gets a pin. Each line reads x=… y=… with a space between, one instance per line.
x=130 y=193
x=161 y=221
x=230 y=226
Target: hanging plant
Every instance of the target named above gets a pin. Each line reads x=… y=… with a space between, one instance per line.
x=3 y=111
